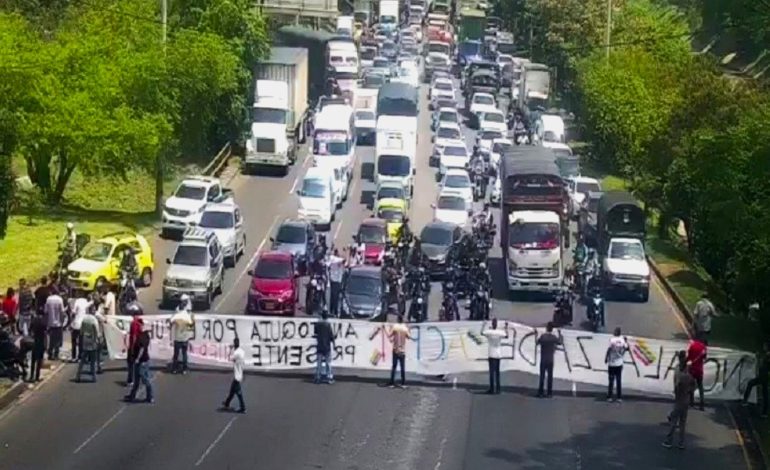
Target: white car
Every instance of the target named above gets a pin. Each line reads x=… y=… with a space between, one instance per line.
x=453 y=155
x=625 y=267
x=450 y=207
x=441 y=87
x=482 y=102
x=458 y=181
x=445 y=115
x=493 y=120
x=408 y=75
x=445 y=133
x=503 y=59
x=485 y=138
x=496 y=193
x=557 y=147
x=184 y=208
x=366 y=126
x=226 y=222
x=579 y=187
x=317 y=198
x=499 y=148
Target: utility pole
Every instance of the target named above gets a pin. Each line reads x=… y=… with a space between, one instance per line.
x=160 y=156
x=609 y=27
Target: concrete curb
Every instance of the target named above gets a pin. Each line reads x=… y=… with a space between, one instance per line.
x=672 y=293
x=12 y=394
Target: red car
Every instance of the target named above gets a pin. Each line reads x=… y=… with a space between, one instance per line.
x=274 y=288
x=373 y=233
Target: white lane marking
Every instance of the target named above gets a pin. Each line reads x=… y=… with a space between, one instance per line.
x=350 y=191
x=101 y=428
x=574 y=389
x=216 y=441
x=440 y=453
x=246 y=268
x=308 y=159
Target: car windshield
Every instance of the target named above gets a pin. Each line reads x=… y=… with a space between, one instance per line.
x=444 y=86
x=494 y=117
x=368 y=53
x=439 y=47
x=436 y=236
x=448 y=133
x=455 y=151
x=393 y=165
x=190 y=255
x=447 y=116
x=98 y=251
x=273 y=269
x=389 y=46
x=391 y=214
x=457 y=181
x=217 y=219
x=190 y=192
x=451 y=203
x=588 y=187
x=291 y=234
x=629 y=251
x=536 y=235
x=491 y=135
x=469 y=48
x=375 y=79
x=484 y=99
x=390 y=192
x=446 y=103
x=437 y=60
x=365 y=115
x=313 y=188
x=381 y=63
x=330 y=147
x=363 y=285
x=501 y=147
x=371 y=234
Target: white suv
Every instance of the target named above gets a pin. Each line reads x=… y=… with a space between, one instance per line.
x=625 y=267
x=197 y=269
x=184 y=208
x=226 y=222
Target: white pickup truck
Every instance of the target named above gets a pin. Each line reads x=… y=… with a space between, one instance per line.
x=184 y=208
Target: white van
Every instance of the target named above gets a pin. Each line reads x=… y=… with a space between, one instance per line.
x=342 y=53
x=550 y=128
x=334 y=138
x=345 y=26
x=317 y=200
x=395 y=152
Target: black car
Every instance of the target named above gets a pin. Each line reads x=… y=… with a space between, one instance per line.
x=296 y=237
x=436 y=241
x=362 y=292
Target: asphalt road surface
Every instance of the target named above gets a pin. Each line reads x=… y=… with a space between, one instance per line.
x=356 y=424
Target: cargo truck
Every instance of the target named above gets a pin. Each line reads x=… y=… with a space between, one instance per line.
x=472 y=23
x=534 y=224
x=534 y=87
x=279 y=110
x=315 y=42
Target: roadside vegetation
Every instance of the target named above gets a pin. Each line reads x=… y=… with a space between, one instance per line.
x=98 y=112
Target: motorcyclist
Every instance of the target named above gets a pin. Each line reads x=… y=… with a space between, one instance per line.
x=128 y=263
x=519 y=130
x=581 y=251
x=595 y=306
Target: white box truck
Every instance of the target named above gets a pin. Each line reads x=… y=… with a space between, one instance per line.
x=395 y=151
x=279 y=110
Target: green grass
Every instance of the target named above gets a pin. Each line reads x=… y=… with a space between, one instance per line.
x=96 y=206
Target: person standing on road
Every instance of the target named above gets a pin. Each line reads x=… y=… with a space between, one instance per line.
x=760 y=380
x=26 y=308
x=54 y=314
x=108 y=300
x=398 y=336
x=702 y=314
x=336 y=270
x=80 y=309
x=696 y=356
x=494 y=339
x=134 y=331
x=324 y=342
x=684 y=384
x=239 y=359
x=182 y=329
x=89 y=341
x=142 y=368
x=614 y=360
x=38 y=330
x=548 y=343
x=41 y=294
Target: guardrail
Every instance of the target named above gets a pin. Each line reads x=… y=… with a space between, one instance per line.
x=218 y=163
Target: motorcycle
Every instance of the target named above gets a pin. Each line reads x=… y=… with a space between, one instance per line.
x=315 y=294
x=595 y=310
x=563 y=306
x=449 y=310
x=127 y=292
x=481 y=305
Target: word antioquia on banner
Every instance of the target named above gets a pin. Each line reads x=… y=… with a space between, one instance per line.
x=436 y=348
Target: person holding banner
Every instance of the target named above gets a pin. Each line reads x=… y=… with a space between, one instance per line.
x=324 y=342
x=696 y=356
x=398 y=336
x=494 y=338
x=548 y=343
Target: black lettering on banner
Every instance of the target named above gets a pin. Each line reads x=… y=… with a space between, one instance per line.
x=218 y=329
x=531 y=361
x=336 y=329
x=710 y=387
x=255 y=332
x=513 y=332
x=350 y=350
x=283 y=353
x=563 y=349
x=670 y=367
x=289 y=330
x=206 y=329
x=587 y=364
x=295 y=355
x=256 y=354
x=739 y=367
x=304 y=329
x=230 y=325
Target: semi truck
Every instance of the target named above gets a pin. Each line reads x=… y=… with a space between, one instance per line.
x=534 y=86
x=620 y=232
x=534 y=223
x=315 y=42
x=279 y=110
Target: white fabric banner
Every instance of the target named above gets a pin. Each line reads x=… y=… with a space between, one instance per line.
x=436 y=348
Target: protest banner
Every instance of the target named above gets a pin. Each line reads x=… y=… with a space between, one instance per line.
x=436 y=348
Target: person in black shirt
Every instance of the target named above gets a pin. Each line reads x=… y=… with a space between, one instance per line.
x=324 y=341
x=41 y=294
x=547 y=342
x=761 y=379
x=142 y=368
x=38 y=329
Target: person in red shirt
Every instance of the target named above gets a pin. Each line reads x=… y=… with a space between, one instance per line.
x=9 y=307
x=696 y=356
x=134 y=330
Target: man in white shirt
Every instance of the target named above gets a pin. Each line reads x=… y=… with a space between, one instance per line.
x=494 y=339
x=239 y=360
x=80 y=309
x=108 y=301
x=702 y=313
x=614 y=360
x=182 y=328
x=336 y=269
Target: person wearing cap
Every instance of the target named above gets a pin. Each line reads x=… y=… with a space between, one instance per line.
x=90 y=338
x=134 y=330
x=141 y=353
x=182 y=329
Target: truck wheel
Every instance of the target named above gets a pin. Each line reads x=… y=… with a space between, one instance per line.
x=206 y=304
x=645 y=295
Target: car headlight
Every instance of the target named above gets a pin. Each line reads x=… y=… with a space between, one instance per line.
x=377 y=310
x=85 y=274
x=169 y=282
x=555 y=266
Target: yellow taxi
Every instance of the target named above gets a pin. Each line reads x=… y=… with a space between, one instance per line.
x=100 y=260
x=392 y=211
